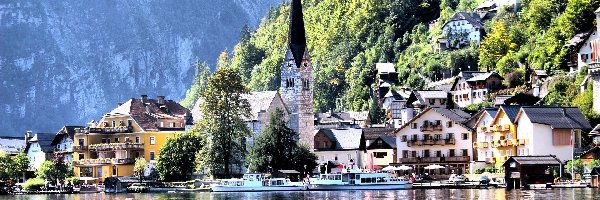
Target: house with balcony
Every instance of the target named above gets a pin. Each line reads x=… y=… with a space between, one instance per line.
x=460 y=31
x=420 y=100
x=63 y=142
x=340 y=146
x=436 y=136
x=38 y=149
x=595 y=135
x=496 y=138
x=136 y=128
x=394 y=104
x=381 y=147
x=550 y=130
x=474 y=87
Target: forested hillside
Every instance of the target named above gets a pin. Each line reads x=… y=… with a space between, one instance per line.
x=347 y=38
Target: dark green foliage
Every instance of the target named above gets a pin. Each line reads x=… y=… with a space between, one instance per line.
x=200 y=81
x=54 y=170
x=277 y=148
x=177 y=156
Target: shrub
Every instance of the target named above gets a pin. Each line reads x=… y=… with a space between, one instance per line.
x=34 y=184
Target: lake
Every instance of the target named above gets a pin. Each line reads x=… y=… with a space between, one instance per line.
x=564 y=193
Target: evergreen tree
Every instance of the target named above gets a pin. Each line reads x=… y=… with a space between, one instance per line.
x=224 y=131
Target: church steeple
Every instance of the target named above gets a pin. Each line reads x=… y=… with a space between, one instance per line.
x=297 y=35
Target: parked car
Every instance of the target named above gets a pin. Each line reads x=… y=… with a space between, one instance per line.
x=458 y=178
x=423 y=178
x=484 y=180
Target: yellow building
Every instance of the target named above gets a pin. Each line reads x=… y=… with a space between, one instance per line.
x=497 y=140
x=136 y=128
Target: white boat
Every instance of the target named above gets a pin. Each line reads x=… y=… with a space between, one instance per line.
x=357 y=180
x=256 y=183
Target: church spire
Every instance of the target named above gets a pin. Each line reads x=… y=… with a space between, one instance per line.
x=297 y=35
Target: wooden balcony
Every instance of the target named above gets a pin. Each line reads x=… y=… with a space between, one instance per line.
x=104 y=161
x=431 y=127
x=409 y=160
x=116 y=146
x=480 y=144
x=109 y=130
x=458 y=159
x=431 y=159
x=450 y=141
x=80 y=148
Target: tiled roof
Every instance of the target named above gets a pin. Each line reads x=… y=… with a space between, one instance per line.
x=259 y=101
x=487 y=4
x=389 y=140
x=345 y=139
x=44 y=140
x=578 y=40
x=534 y=160
x=12 y=145
x=473 y=19
x=557 y=117
x=511 y=111
x=66 y=131
x=146 y=113
x=469 y=74
x=374 y=133
x=385 y=68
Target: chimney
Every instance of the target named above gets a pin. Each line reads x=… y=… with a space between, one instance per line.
x=144 y=98
x=161 y=99
x=27 y=136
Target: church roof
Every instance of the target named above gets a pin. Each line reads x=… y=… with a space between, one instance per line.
x=297 y=35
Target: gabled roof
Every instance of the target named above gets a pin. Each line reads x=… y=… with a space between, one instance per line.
x=596 y=130
x=522 y=99
x=260 y=101
x=335 y=117
x=66 y=131
x=44 y=140
x=594 y=151
x=485 y=111
x=473 y=19
x=510 y=111
x=578 y=40
x=483 y=76
x=534 y=160
x=487 y=4
x=421 y=95
x=456 y=115
x=12 y=145
x=374 y=133
x=556 y=117
x=146 y=113
x=389 y=140
x=345 y=139
x=385 y=68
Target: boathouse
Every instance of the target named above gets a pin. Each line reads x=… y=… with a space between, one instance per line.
x=521 y=171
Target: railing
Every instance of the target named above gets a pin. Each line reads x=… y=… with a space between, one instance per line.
x=116 y=146
x=414 y=143
x=429 y=142
x=431 y=159
x=118 y=129
x=80 y=148
x=458 y=159
x=431 y=127
x=104 y=161
x=409 y=160
x=480 y=144
x=450 y=141
x=522 y=141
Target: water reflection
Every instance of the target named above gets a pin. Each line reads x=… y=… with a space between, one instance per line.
x=472 y=194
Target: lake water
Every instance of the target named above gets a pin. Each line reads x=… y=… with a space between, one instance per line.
x=579 y=193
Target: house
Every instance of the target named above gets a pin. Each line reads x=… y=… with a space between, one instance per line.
x=63 y=142
x=338 y=120
x=537 y=76
x=554 y=130
x=496 y=136
x=483 y=118
x=595 y=135
x=584 y=47
x=443 y=84
x=381 y=147
x=422 y=99
x=38 y=149
x=394 y=104
x=460 y=31
x=136 y=128
x=521 y=171
x=386 y=78
x=436 y=136
x=339 y=146
x=12 y=145
x=473 y=87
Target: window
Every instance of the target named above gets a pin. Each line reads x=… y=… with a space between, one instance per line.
x=81 y=142
x=450 y=136
x=99 y=172
x=121 y=123
x=426 y=153
x=152 y=155
x=336 y=158
x=172 y=124
x=127 y=139
x=162 y=124
x=81 y=156
x=85 y=172
x=403 y=138
x=413 y=153
x=116 y=140
x=451 y=153
x=379 y=154
x=103 y=140
x=405 y=153
x=465 y=152
x=465 y=136
x=449 y=124
x=137 y=139
x=108 y=140
x=137 y=154
x=413 y=126
x=349 y=157
x=129 y=122
x=431 y=101
x=114 y=123
x=152 y=140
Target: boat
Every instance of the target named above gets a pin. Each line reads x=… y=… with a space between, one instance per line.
x=355 y=179
x=256 y=183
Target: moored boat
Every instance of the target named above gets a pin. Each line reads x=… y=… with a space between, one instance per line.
x=256 y=183
x=357 y=180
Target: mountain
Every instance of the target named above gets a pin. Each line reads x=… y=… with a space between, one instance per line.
x=69 y=62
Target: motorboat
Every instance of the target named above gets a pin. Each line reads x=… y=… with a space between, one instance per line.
x=355 y=179
x=256 y=183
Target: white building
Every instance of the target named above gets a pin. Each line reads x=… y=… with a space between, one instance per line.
x=436 y=136
x=584 y=47
x=474 y=87
x=550 y=130
x=38 y=149
x=339 y=146
x=63 y=142
x=394 y=103
x=461 y=30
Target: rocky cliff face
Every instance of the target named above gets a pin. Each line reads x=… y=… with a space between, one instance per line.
x=69 y=62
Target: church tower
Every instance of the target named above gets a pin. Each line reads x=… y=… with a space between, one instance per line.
x=297 y=78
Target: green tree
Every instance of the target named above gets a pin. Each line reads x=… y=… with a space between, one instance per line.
x=496 y=45
x=576 y=166
x=198 y=86
x=6 y=165
x=224 y=131
x=54 y=170
x=594 y=163
x=277 y=148
x=139 y=168
x=177 y=156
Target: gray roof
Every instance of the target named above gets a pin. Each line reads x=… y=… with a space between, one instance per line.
x=44 y=140
x=66 y=131
x=333 y=118
x=557 y=117
x=578 y=40
x=470 y=74
x=483 y=76
x=473 y=19
x=534 y=160
x=345 y=139
x=456 y=115
x=374 y=133
x=389 y=140
x=511 y=111
x=596 y=130
x=12 y=145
